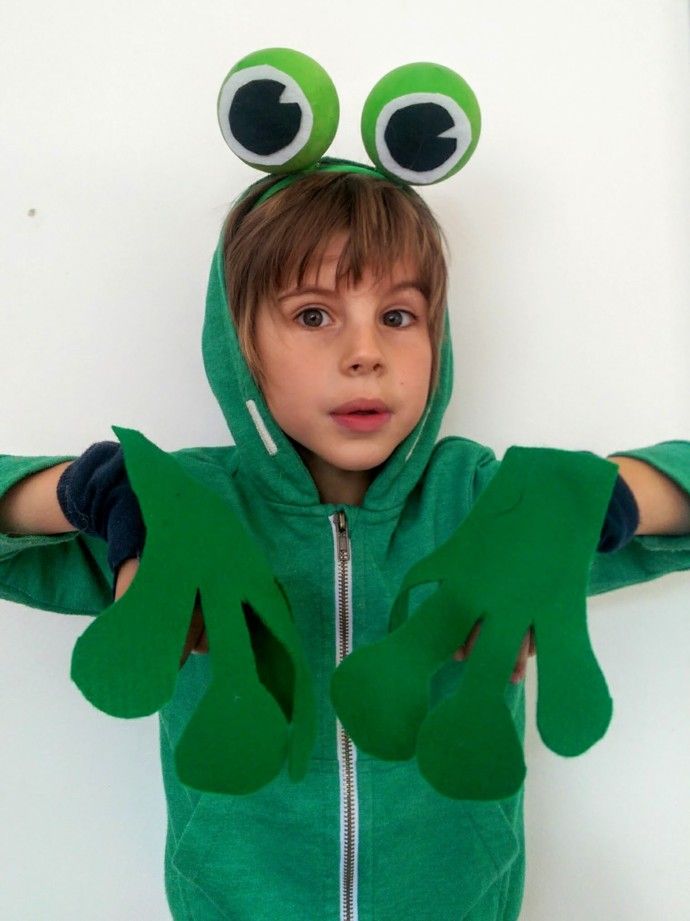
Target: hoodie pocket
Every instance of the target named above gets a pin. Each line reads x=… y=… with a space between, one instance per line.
x=434 y=857
x=263 y=856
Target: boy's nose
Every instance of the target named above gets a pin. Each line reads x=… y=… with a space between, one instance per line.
x=363 y=352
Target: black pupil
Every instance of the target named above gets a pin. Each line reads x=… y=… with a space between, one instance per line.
x=259 y=121
x=412 y=136
x=316 y=314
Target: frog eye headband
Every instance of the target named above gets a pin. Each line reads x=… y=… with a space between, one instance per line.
x=278 y=112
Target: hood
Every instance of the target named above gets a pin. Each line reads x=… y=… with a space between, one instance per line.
x=266 y=456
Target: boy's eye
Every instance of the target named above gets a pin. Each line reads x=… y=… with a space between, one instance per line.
x=311 y=314
x=311 y=317
x=399 y=313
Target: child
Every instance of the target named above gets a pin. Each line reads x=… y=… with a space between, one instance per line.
x=330 y=291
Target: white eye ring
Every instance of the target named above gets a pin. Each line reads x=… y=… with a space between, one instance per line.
x=461 y=131
x=291 y=93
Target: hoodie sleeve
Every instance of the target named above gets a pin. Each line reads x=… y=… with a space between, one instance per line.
x=66 y=573
x=646 y=557
x=69 y=573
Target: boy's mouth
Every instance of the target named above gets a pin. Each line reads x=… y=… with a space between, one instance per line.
x=362 y=415
x=361 y=408
x=361 y=421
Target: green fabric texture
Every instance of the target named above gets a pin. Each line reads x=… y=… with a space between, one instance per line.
x=325 y=165
x=276 y=853
x=504 y=567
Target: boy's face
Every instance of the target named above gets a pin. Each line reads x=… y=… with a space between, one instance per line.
x=321 y=349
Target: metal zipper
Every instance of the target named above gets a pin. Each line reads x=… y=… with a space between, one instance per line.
x=349 y=817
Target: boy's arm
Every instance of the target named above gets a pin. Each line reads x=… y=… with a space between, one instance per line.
x=44 y=562
x=664 y=507
x=659 y=477
x=31 y=506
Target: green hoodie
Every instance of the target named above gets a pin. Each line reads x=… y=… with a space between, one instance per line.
x=358 y=838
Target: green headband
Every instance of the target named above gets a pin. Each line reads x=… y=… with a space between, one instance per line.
x=325 y=165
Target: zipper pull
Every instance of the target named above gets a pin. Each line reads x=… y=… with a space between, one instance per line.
x=343 y=544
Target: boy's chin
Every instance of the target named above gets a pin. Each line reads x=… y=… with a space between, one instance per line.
x=308 y=455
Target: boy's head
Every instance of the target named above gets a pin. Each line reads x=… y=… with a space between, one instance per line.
x=363 y=334
x=270 y=249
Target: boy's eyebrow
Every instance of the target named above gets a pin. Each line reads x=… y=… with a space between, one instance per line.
x=413 y=283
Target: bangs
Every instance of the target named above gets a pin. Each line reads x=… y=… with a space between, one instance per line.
x=271 y=247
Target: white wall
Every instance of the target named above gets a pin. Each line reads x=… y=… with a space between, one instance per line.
x=569 y=287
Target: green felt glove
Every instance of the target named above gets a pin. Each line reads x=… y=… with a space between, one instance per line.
x=521 y=558
x=259 y=707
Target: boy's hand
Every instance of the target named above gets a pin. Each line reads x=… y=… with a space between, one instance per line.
x=95 y=496
x=621 y=524
x=527 y=649
x=196 y=638
x=259 y=708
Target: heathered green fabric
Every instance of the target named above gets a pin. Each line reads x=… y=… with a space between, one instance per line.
x=276 y=855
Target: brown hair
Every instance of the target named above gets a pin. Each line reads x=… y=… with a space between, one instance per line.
x=266 y=248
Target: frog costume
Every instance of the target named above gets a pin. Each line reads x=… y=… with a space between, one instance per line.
x=357 y=838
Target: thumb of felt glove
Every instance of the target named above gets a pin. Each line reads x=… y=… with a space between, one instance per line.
x=95 y=497
x=622 y=518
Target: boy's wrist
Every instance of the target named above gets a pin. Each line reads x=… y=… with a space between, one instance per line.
x=622 y=518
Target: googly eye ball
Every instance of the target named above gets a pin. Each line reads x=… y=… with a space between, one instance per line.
x=421 y=123
x=278 y=110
